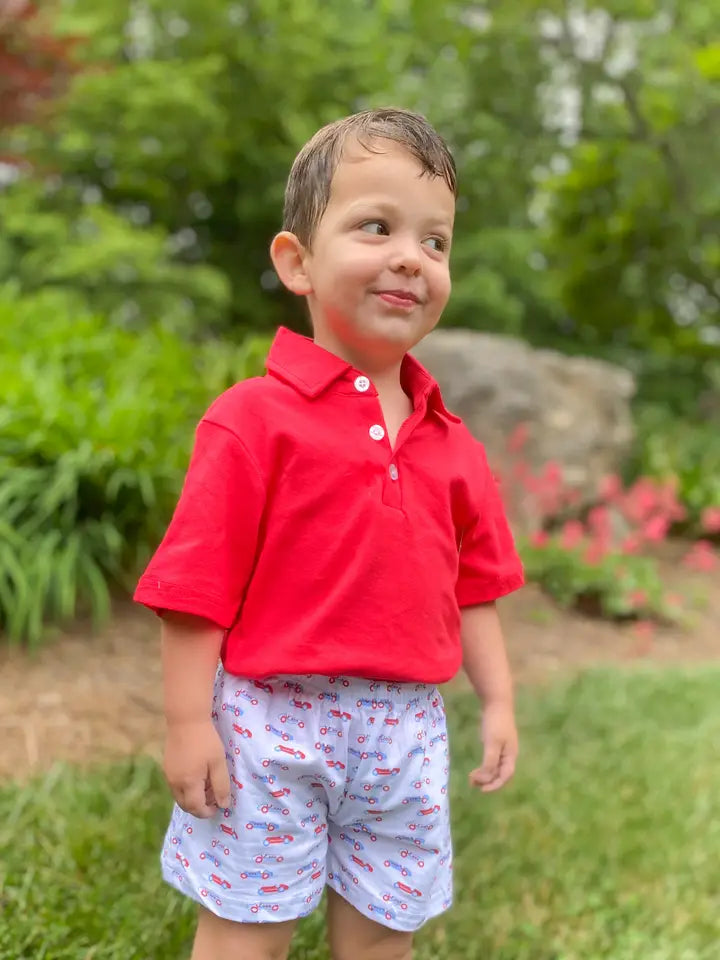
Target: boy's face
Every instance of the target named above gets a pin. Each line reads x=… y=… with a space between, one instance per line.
x=378 y=267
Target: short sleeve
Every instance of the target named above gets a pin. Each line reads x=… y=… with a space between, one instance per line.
x=206 y=557
x=489 y=565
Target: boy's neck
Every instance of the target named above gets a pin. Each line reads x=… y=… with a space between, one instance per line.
x=384 y=372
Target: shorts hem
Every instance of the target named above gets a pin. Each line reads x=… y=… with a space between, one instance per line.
x=414 y=921
x=287 y=911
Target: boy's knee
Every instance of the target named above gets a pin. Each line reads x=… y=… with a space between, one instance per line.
x=220 y=939
x=388 y=950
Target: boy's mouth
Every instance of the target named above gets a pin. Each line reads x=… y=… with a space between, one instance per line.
x=399 y=298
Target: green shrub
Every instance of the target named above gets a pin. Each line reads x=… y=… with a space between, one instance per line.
x=615 y=585
x=96 y=425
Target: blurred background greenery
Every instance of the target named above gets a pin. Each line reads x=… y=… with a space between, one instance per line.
x=144 y=148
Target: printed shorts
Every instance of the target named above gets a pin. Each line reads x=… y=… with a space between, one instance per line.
x=335 y=780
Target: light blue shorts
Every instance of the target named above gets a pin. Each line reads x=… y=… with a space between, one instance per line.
x=335 y=780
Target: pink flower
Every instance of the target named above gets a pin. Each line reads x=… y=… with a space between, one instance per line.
x=701 y=557
x=518 y=438
x=599 y=521
x=572 y=534
x=655 y=529
x=631 y=544
x=638 y=598
x=540 y=538
x=595 y=552
x=610 y=487
x=711 y=520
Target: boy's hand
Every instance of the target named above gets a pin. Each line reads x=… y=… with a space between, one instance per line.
x=195 y=767
x=500 y=747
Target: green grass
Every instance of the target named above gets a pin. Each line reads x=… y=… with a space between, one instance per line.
x=607 y=844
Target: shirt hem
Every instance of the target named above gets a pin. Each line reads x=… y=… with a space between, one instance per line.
x=493 y=590
x=159 y=596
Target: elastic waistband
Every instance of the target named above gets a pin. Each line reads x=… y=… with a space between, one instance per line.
x=378 y=694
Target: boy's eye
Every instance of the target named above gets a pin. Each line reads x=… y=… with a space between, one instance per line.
x=437 y=243
x=375 y=226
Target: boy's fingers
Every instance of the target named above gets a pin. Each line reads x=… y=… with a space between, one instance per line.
x=192 y=800
x=493 y=779
x=489 y=769
x=220 y=782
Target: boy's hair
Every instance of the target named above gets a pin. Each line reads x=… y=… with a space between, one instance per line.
x=308 y=187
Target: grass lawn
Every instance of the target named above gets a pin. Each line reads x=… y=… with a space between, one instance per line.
x=607 y=844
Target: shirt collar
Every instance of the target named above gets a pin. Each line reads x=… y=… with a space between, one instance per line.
x=311 y=369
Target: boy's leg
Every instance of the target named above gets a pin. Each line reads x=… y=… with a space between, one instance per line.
x=220 y=939
x=352 y=935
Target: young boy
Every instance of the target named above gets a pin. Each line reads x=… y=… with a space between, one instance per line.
x=339 y=544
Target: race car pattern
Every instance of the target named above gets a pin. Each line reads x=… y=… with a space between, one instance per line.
x=334 y=780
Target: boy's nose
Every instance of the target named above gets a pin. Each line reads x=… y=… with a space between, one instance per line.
x=405 y=257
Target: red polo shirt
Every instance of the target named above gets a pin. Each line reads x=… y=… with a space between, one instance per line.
x=317 y=547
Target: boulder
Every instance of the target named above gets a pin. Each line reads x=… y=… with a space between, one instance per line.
x=576 y=409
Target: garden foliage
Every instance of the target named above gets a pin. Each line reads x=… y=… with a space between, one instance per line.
x=95 y=430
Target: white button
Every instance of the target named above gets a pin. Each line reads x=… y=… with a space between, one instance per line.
x=377 y=432
x=393 y=470
x=362 y=384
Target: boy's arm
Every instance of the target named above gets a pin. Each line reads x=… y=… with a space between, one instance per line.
x=195 y=765
x=486 y=664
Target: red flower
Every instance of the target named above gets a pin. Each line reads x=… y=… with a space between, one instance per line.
x=572 y=534
x=701 y=557
x=610 y=487
x=540 y=538
x=655 y=529
x=711 y=520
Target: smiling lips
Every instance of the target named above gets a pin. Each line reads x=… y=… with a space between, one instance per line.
x=399 y=298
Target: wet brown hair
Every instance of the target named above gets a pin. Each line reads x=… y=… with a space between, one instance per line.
x=308 y=187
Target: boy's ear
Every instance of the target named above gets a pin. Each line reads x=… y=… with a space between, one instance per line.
x=288 y=257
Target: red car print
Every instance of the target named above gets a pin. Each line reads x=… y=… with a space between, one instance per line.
x=282 y=838
x=361 y=863
x=286 y=718
x=386 y=771
x=301 y=704
x=266 y=763
x=264 y=906
x=238 y=711
x=319 y=829
x=219 y=881
x=406 y=889
x=243 y=731
x=335 y=730
x=298 y=754
x=391 y=721
x=283 y=734
x=229 y=830
x=274 y=888
x=236 y=781
x=340 y=714
x=183 y=860
x=336 y=763
x=433 y=809
x=206 y=893
x=282 y=792
x=262 y=686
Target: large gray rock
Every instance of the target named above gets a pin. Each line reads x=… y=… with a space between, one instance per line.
x=577 y=409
